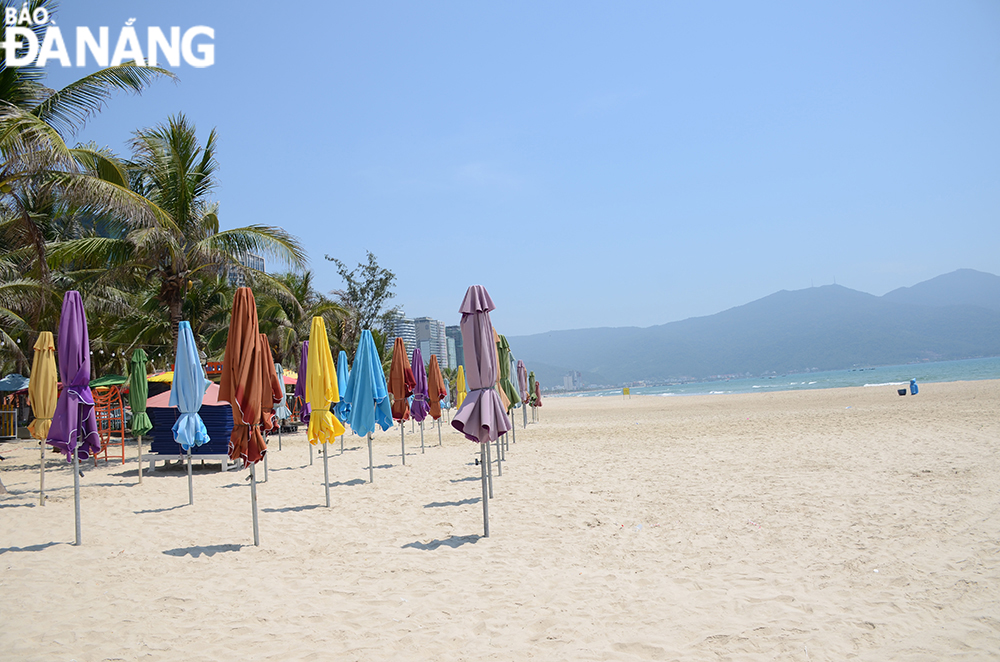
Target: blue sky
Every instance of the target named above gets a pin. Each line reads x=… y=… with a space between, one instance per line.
x=595 y=163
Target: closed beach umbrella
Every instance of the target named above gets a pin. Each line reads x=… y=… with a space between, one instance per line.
x=186 y=393
x=274 y=392
x=138 y=391
x=506 y=386
x=368 y=394
x=460 y=392
x=43 y=392
x=300 y=390
x=321 y=392
x=343 y=408
x=435 y=391
x=74 y=425
x=401 y=387
x=503 y=394
x=420 y=407
x=481 y=418
x=242 y=386
x=281 y=411
x=522 y=384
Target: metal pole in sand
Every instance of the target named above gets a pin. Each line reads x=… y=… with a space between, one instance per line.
x=421 y=436
x=439 y=432
x=371 y=469
x=486 y=501
x=190 y=480
x=499 y=466
x=76 y=492
x=279 y=435
x=265 y=465
x=326 y=477
x=139 y=441
x=489 y=467
x=41 y=473
x=402 y=440
x=341 y=444
x=524 y=415
x=513 y=433
x=310 y=455
x=253 y=502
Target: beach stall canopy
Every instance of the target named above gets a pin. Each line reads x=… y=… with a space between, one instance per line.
x=108 y=380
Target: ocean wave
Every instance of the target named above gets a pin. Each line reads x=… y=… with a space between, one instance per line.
x=887 y=384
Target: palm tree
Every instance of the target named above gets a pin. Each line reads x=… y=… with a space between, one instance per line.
x=286 y=315
x=38 y=169
x=182 y=242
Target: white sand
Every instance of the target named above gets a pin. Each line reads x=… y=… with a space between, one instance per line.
x=818 y=525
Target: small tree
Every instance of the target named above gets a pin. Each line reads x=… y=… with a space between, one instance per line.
x=369 y=288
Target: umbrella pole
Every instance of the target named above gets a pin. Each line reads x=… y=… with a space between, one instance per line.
x=76 y=492
x=253 y=502
x=402 y=441
x=371 y=469
x=489 y=467
x=421 y=436
x=524 y=415
x=139 y=439
x=190 y=481
x=486 y=501
x=499 y=466
x=265 y=467
x=279 y=435
x=513 y=433
x=310 y=454
x=326 y=477
x=341 y=444
x=439 y=432
x=41 y=473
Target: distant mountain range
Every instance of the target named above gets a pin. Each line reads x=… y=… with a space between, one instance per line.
x=953 y=316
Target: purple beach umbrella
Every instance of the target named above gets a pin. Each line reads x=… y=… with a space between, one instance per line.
x=522 y=384
x=74 y=425
x=300 y=390
x=481 y=418
x=421 y=405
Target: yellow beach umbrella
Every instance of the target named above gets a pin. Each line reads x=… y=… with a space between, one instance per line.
x=43 y=393
x=321 y=391
x=460 y=387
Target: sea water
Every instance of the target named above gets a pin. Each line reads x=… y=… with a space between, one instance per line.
x=943 y=371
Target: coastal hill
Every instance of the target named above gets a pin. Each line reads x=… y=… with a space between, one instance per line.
x=953 y=316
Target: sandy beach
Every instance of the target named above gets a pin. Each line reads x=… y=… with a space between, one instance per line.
x=810 y=525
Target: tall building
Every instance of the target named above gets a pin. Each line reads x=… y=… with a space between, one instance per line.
x=431 y=331
x=452 y=357
x=249 y=260
x=404 y=328
x=455 y=333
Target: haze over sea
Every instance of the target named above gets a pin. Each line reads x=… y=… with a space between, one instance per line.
x=929 y=373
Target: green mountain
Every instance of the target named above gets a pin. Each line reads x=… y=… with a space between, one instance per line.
x=823 y=328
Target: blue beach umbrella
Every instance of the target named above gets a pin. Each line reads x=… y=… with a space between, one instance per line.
x=186 y=394
x=368 y=395
x=342 y=410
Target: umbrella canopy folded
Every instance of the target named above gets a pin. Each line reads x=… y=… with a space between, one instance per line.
x=538 y=394
x=75 y=407
x=400 y=382
x=43 y=389
x=188 y=389
x=460 y=386
x=321 y=387
x=108 y=380
x=532 y=389
x=242 y=383
x=367 y=391
x=274 y=389
x=482 y=417
x=281 y=411
x=138 y=392
x=496 y=384
x=300 y=384
x=343 y=408
x=435 y=387
x=522 y=381
x=420 y=407
x=503 y=356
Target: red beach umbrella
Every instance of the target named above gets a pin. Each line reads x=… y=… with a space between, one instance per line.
x=401 y=383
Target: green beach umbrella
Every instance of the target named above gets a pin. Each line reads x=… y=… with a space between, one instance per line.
x=138 y=390
x=503 y=356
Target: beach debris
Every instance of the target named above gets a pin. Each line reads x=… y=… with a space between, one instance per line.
x=753 y=523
